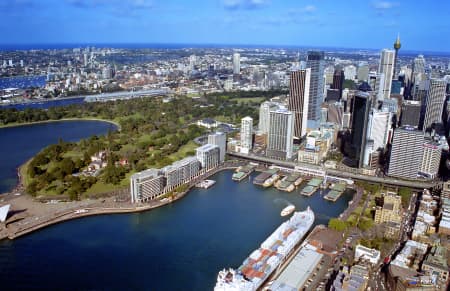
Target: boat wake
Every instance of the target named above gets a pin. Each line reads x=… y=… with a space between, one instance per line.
x=282 y=202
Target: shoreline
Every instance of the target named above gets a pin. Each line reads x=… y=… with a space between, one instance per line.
x=94 y=207
x=21 y=226
x=119 y=128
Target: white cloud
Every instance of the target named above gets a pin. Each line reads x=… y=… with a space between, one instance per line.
x=244 y=4
x=384 y=5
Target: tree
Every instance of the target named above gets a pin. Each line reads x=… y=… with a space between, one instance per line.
x=337 y=224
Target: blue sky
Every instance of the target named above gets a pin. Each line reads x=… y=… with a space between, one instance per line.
x=423 y=25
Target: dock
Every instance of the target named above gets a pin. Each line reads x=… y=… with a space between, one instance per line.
x=242 y=172
x=205 y=184
x=311 y=187
x=261 y=178
x=336 y=192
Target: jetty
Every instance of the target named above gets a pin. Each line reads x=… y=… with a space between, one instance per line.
x=311 y=187
x=205 y=184
x=262 y=177
x=242 y=172
x=336 y=192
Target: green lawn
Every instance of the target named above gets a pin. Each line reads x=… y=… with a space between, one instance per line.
x=248 y=100
x=183 y=151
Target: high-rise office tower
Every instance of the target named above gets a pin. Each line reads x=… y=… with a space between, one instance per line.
x=397 y=46
x=406 y=153
x=360 y=114
x=435 y=103
x=264 y=115
x=363 y=72
x=329 y=73
x=350 y=72
x=236 y=63
x=410 y=113
x=338 y=81
x=315 y=61
x=246 y=134
x=281 y=132
x=431 y=159
x=335 y=113
x=219 y=139
x=378 y=129
x=298 y=99
x=419 y=65
x=376 y=82
x=387 y=68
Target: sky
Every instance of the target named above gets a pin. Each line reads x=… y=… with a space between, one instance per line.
x=422 y=25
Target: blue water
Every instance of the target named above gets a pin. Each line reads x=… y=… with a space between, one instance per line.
x=181 y=246
x=18 y=144
x=22 y=82
x=44 y=104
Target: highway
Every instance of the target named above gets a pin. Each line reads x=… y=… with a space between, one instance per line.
x=385 y=180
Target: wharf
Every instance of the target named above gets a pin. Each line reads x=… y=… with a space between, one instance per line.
x=242 y=173
x=261 y=178
x=205 y=184
x=333 y=195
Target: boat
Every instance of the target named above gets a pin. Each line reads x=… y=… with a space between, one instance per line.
x=287 y=210
x=269 y=182
x=261 y=263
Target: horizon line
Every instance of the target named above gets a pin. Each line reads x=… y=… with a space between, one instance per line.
x=17 y=46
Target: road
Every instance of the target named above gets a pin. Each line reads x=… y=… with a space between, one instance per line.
x=338 y=173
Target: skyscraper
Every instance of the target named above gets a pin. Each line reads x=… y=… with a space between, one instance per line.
x=378 y=128
x=246 y=134
x=435 y=103
x=406 y=153
x=219 y=139
x=387 y=68
x=432 y=152
x=236 y=63
x=338 y=81
x=360 y=114
x=419 y=65
x=208 y=156
x=376 y=82
x=397 y=46
x=298 y=99
x=410 y=113
x=264 y=115
x=315 y=61
x=281 y=131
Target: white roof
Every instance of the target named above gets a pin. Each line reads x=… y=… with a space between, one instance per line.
x=4 y=212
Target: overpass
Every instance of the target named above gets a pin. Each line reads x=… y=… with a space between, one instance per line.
x=336 y=173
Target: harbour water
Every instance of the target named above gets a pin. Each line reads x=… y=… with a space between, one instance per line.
x=44 y=104
x=22 y=82
x=20 y=143
x=181 y=246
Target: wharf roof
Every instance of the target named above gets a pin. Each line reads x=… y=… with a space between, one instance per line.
x=299 y=269
x=315 y=182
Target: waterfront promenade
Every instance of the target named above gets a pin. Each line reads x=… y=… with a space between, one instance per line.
x=337 y=173
x=28 y=215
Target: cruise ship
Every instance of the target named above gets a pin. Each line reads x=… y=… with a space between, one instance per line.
x=255 y=270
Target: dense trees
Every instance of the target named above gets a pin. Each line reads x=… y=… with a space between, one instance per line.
x=152 y=132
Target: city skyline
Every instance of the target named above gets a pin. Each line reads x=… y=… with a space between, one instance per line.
x=236 y=22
